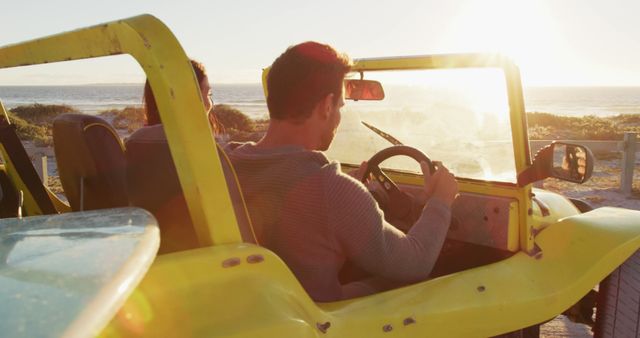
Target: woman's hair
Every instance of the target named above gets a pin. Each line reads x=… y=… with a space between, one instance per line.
x=151 y=108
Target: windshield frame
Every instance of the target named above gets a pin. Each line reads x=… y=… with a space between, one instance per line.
x=511 y=73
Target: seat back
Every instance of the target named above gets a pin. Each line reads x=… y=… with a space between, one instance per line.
x=91 y=163
x=153 y=184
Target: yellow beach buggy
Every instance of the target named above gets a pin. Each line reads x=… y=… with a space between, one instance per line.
x=516 y=256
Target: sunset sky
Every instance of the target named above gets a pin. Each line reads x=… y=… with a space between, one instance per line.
x=555 y=42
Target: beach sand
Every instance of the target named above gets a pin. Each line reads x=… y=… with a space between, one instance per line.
x=603 y=189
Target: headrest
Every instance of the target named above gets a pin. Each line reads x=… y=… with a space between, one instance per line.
x=89 y=152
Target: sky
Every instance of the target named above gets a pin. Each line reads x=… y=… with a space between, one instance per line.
x=555 y=42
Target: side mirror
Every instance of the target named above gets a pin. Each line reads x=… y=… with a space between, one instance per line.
x=363 y=90
x=571 y=162
x=565 y=161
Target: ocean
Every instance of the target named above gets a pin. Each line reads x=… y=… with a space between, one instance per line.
x=249 y=98
x=579 y=101
x=92 y=99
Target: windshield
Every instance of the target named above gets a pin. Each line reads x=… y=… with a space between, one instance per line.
x=457 y=116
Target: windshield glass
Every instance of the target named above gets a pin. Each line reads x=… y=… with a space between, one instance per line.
x=457 y=116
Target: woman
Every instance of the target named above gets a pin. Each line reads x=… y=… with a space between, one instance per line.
x=151 y=109
x=152 y=179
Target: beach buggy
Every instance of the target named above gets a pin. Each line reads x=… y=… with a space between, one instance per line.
x=515 y=256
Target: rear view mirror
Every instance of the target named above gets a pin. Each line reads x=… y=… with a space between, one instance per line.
x=565 y=161
x=571 y=162
x=363 y=90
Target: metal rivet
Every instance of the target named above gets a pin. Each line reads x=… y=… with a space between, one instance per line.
x=323 y=327
x=231 y=262
x=251 y=259
x=481 y=288
x=387 y=328
x=408 y=321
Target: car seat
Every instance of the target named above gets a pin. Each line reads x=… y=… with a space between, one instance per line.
x=153 y=184
x=91 y=163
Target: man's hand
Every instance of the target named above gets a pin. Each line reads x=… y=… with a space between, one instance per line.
x=441 y=185
x=374 y=187
x=358 y=174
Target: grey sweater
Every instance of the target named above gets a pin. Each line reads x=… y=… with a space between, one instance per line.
x=316 y=218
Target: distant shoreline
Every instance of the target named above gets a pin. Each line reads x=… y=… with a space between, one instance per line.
x=249 y=97
x=111 y=84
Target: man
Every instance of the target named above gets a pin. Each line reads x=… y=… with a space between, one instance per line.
x=306 y=210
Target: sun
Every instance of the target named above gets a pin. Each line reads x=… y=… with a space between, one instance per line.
x=521 y=29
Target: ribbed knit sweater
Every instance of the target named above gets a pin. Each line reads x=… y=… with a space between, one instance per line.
x=316 y=218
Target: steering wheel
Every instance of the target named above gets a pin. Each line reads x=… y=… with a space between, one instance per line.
x=399 y=205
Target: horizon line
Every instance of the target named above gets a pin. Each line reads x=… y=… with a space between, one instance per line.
x=106 y=84
x=114 y=84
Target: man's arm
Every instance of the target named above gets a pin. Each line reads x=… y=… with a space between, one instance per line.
x=376 y=246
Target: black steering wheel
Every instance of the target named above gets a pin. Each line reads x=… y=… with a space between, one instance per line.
x=398 y=205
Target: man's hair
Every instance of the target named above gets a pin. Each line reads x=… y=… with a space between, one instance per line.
x=302 y=76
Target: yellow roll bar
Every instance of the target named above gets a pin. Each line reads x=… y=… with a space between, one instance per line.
x=179 y=101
